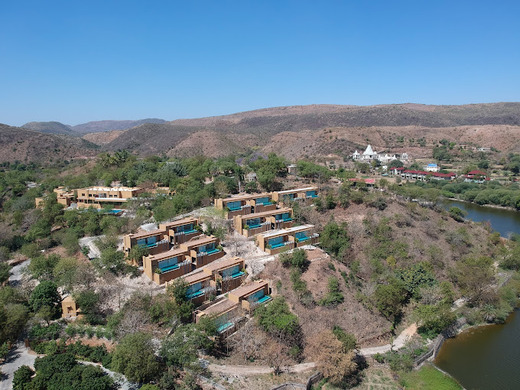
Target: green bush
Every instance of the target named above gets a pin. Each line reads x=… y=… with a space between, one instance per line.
x=334 y=296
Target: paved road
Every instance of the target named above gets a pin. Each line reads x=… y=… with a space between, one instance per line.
x=19 y=356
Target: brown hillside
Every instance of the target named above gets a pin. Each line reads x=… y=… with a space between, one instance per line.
x=326 y=129
x=426 y=234
x=103 y=138
x=17 y=144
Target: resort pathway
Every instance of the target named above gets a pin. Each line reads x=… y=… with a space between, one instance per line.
x=398 y=343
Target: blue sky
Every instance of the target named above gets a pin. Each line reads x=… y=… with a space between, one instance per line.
x=76 y=61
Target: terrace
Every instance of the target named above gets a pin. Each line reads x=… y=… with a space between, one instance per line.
x=245 y=204
x=298 y=194
x=167 y=266
x=227 y=273
x=252 y=224
x=198 y=287
x=155 y=241
x=204 y=250
x=182 y=230
x=276 y=241
x=251 y=295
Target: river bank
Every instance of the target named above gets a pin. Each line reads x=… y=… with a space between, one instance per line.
x=485 y=356
x=493 y=206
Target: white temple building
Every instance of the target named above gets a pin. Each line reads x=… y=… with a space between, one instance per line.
x=369 y=154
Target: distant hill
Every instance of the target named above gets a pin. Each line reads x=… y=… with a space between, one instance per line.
x=108 y=125
x=50 y=128
x=324 y=129
x=20 y=144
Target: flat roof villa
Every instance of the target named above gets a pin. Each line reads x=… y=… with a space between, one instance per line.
x=226 y=311
x=298 y=194
x=203 y=250
x=251 y=295
x=252 y=224
x=199 y=287
x=166 y=266
x=276 y=241
x=227 y=274
x=155 y=241
x=181 y=230
x=96 y=196
x=223 y=311
x=245 y=204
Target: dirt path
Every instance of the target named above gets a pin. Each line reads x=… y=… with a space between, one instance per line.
x=258 y=370
x=398 y=343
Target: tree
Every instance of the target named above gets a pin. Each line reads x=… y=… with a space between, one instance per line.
x=395 y=164
x=22 y=378
x=5 y=272
x=181 y=348
x=177 y=290
x=13 y=317
x=334 y=239
x=62 y=371
x=65 y=272
x=474 y=275
x=335 y=362
x=457 y=214
x=88 y=302
x=113 y=260
x=45 y=294
x=389 y=299
x=277 y=320
x=136 y=254
x=135 y=357
x=42 y=267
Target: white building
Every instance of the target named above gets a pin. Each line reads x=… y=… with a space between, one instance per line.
x=432 y=167
x=369 y=154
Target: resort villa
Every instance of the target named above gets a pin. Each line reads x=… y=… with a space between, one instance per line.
x=228 y=311
x=166 y=266
x=155 y=241
x=298 y=194
x=223 y=311
x=276 y=241
x=181 y=230
x=203 y=250
x=252 y=224
x=251 y=295
x=199 y=287
x=245 y=204
x=226 y=274
x=98 y=197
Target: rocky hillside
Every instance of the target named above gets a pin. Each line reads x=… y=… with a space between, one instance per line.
x=326 y=129
x=49 y=128
x=19 y=144
x=102 y=126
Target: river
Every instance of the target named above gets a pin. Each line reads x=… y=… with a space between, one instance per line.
x=486 y=357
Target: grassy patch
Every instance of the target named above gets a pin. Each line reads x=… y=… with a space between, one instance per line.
x=428 y=377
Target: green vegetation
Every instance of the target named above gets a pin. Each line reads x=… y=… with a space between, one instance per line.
x=334 y=239
x=428 y=378
x=61 y=371
x=334 y=295
x=135 y=358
